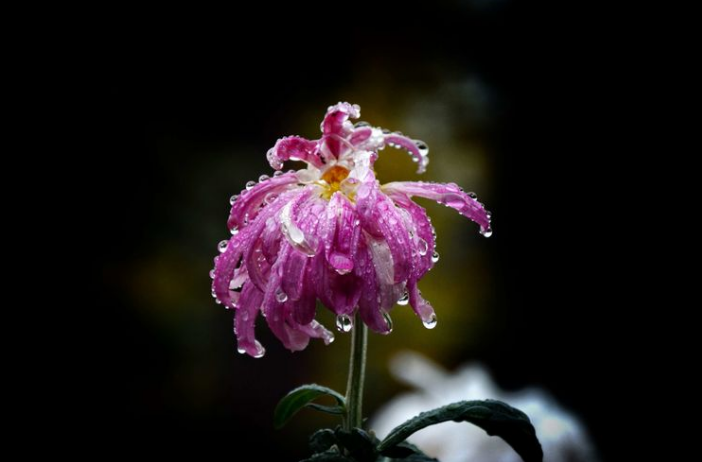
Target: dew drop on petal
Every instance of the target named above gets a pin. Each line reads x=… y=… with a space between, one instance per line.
x=344 y=323
x=234 y=230
x=472 y=195
x=218 y=301
x=281 y=296
x=263 y=178
x=422 y=146
x=277 y=173
x=430 y=323
x=222 y=246
x=233 y=199
x=212 y=274
x=241 y=350
x=388 y=321
x=250 y=185
x=260 y=351
x=423 y=247
x=435 y=257
x=361 y=124
x=486 y=232
x=404 y=300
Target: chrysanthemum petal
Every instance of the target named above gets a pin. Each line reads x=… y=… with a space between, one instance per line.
x=294 y=148
x=250 y=201
x=411 y=146
x=448 y=194
x=336 y=127
x=245 y=319
x=369 y=301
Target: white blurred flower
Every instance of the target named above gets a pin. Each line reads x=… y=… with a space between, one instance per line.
x=562 y=436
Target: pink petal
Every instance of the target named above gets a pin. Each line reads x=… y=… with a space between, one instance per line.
x=411 y=146
x=448 y=194
x=381 y=219
x=249 y=202
x=336 y=127
x=245 y=319
x=417 y=221
x=294 y=148
x=369 y=303
x=420 y=306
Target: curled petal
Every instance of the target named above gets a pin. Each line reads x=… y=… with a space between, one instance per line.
x=340 y=251
x=448 y=194
x=316 y=330
x=417 y=149
x=420 y=306
x=422 y=233
x=336 y=128
x=381 y=219
x=249 y=203
x=369 y=301
x=225 y=266
x=288 y=226
x=245 y=320
x=294 y=148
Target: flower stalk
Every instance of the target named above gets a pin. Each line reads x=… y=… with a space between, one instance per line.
x=357 y=375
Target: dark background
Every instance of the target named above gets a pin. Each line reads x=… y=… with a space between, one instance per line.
x=186 y=117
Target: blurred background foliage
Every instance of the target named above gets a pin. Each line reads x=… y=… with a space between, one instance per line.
x=188 y=117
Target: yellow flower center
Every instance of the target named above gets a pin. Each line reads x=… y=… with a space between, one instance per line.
x=333 y=178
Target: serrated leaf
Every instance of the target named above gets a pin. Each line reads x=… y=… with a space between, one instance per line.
x=495 y=417
x=301 y=397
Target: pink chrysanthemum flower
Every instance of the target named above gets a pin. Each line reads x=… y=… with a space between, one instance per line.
x=331 y=232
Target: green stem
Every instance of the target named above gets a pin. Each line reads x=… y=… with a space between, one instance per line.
x=357 y=374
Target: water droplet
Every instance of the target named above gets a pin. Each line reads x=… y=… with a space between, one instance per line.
x=263 y=178
x=422 y=146
x=385 y=131
x=250 y=185
x=435 y=257
x=214 y=295
x=486 y=232
x=218 y=301
x=431 y=322
x=222 y=246
x=277 y=173
x=423 y=247
x=260 y=351
x=388 y=321
x=281 y=296
x=361 y=124
x=234 y=230
x=212 y=274
x=344 y=323
x=241 y=350
x=472 y=195
x=404 y=300
x=233 y=199
x=488 y=214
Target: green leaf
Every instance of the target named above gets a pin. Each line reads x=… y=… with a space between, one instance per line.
x=360 y=444
x=402 y=450
x=328 y=456
x=495 y=417
x=322 y=440
x=303 y=396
